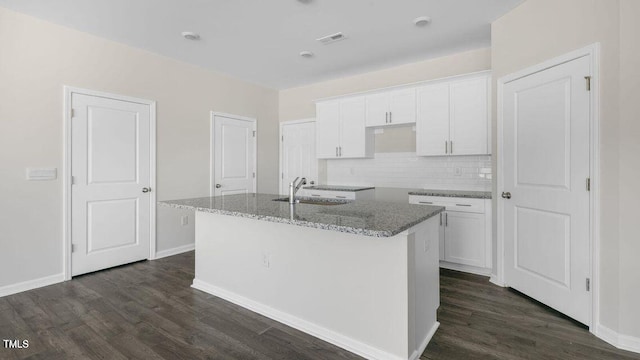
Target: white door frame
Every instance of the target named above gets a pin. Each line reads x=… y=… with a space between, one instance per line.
x=66 y=172
x=594 y=169
x=280 y=151
x=212 y=144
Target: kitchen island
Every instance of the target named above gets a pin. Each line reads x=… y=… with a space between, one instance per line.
x=362 y=275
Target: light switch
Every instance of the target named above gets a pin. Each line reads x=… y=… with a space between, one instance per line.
x=42 y=174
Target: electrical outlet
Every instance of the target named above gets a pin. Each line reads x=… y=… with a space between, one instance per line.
x=184 y=220
x=458 y=171
x=426 y=245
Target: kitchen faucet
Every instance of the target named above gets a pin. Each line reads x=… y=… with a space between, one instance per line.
x=293 y=189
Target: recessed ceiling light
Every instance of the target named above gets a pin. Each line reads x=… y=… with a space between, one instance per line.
x=190 y=35
x=306 y=54
x=305 y=1
x=422 y=21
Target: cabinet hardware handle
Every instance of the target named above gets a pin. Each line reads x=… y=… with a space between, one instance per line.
x=446 y=149
x=425 y=202
x=340 y=147
x=340 y=197
x=336 y=151
x=386 y=117
x=315 y=195
x=440 y=219
x=446 y=219
x=390 y=117
x=463 y=204
x=451 y=146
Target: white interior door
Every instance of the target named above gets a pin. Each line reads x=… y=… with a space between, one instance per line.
x=298 y=156
x=546 y=166
x=234 y=157
x=110 y=168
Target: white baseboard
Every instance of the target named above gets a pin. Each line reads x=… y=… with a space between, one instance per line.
x=174 y=251
x=31 y=284
x=495 y=281
x=621 y=341
x=423 y=346
x=320 y=332
x=465 y=268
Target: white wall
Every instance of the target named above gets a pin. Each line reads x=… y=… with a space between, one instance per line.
x=36 y=59
x=538 y=30
x=629 y=191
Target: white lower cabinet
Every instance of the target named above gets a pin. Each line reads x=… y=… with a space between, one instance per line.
x=465 y=232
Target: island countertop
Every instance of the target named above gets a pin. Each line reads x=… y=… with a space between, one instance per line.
x=363 y=217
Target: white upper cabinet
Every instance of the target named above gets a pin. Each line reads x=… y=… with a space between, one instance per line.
x=394 y=107
x=327 y=129
x=432 y=127
x=453 y=117
x=341 y=131
x=469 y=117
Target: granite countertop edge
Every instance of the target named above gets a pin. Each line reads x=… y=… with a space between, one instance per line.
x=453 y=193
x=339 y=228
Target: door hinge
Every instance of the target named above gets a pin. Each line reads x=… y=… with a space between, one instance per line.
x=588 y=284
x=282 y=176
x=254 y=133
x=282 y=137
x=73 y=248
x=72 y=113
x=73 y=180
x=254 y=175
x=588 y=184
x=588 y=80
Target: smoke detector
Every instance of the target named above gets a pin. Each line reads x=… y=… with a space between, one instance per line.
x=329 y=39
x=421 y=21
x=190 y=35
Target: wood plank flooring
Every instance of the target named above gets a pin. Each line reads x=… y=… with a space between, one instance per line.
x=148 y=310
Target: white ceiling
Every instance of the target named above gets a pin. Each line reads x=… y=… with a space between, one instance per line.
x=259 y=40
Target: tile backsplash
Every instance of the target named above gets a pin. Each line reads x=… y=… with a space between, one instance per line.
x=406 y=170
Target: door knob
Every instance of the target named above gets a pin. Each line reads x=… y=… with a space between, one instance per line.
x=146 y=189
x=506 y=195
x=218 y=186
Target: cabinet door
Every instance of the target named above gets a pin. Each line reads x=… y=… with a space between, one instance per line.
x=464 y=241
x=377 y=109
x=469 y=117
x=353 y=134
x=402 y=107
x=432 y=122
x=327 y=130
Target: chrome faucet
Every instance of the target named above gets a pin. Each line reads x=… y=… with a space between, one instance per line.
x=293 y=189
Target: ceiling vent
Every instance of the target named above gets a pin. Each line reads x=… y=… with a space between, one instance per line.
x=326 y=40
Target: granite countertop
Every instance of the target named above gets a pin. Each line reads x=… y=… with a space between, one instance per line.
x=453 y=193
x=338 y=188
x=371 y=218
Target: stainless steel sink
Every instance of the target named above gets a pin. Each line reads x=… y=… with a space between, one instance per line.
x=315 y=201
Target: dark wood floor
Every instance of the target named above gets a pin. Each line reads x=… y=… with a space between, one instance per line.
x=148 y=311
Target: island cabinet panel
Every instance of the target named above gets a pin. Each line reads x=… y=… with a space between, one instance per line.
x=453 y=117
x=374 y=296
x=341 y=131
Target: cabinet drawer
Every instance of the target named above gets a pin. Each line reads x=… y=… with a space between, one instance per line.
x=346 y=195
x=450 y=203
